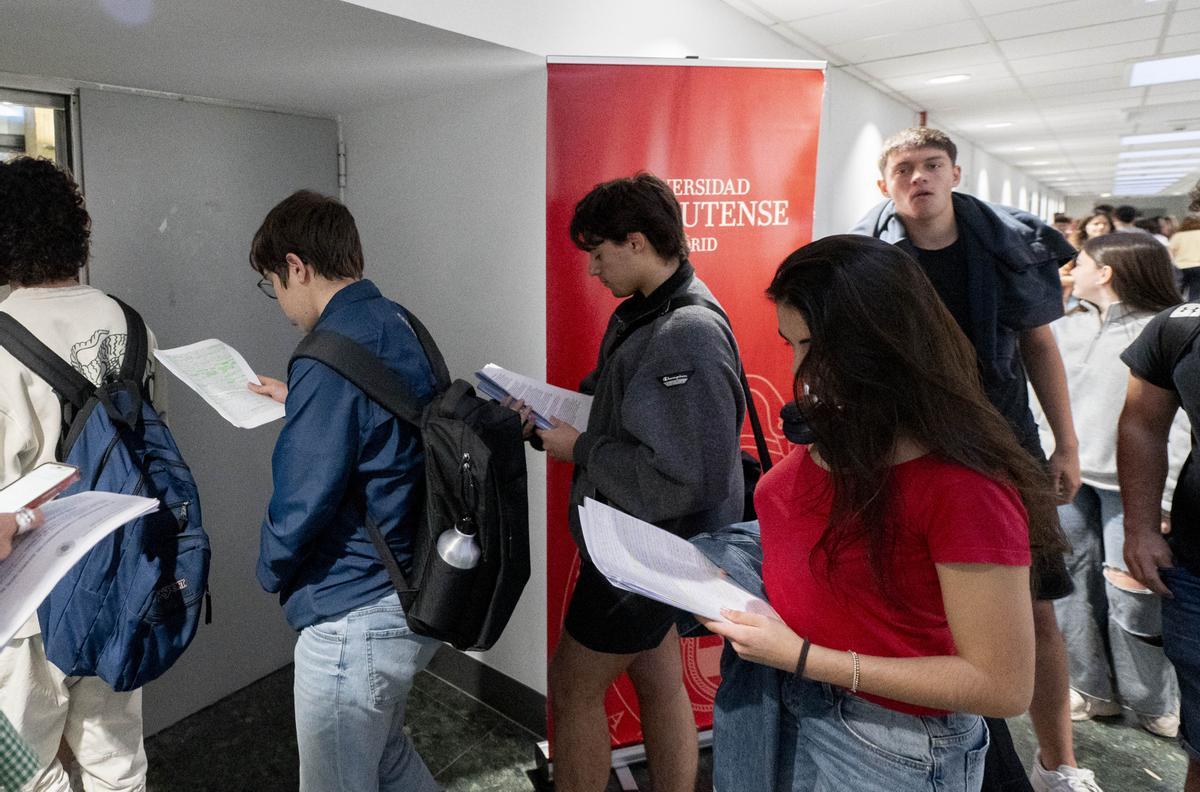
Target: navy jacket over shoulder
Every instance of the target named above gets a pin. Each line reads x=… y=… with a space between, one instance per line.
x=1013 y=285
x=336 y=448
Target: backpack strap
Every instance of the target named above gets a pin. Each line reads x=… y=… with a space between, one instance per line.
x=626 y=329
x=363 y=369
x=437 y=363
x=137 y=345
x=73 y=389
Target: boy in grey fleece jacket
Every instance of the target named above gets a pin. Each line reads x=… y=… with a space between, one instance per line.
x=663 y=445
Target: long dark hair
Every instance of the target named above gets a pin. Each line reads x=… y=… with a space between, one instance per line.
x=1143 y=276
x=887 y=361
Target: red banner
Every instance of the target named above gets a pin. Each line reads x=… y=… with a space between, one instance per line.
x=738 y=145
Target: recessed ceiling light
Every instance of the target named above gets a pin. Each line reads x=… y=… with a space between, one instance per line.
x=1159 y=137
x=947 y=79
x=998 y=125
x=1165 y=70
x=1157 y=153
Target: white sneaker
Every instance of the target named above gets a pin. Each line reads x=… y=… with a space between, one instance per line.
x=1162 y=725
x=1064 y=779
x=1085 y=707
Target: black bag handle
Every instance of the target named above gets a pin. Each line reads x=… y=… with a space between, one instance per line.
x=626 y=329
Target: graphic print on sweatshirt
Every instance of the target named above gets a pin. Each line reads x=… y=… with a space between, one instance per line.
x=100 y=356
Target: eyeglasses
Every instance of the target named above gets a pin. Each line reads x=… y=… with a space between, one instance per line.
x=266 y=287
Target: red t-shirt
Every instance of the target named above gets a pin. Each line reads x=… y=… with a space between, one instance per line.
x=948 y=514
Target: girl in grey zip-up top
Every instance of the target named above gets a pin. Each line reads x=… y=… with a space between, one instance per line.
x=1111 y=623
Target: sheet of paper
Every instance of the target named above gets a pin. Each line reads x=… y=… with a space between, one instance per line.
x=636 y=556
x=40 y=558
x=547 y=401
x=220 y=374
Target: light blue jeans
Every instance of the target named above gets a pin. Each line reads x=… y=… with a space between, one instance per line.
x=353 y=675
x=1113 y=635
x=832 y=741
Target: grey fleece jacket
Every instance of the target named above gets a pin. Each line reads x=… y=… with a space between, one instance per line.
x=662 y=441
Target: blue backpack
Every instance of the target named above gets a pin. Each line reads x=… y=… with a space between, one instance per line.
x=131 y=606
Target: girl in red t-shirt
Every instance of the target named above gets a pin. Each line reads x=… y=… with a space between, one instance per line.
x=896 y=547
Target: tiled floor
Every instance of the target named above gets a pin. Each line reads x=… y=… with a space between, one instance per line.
x=247 y=743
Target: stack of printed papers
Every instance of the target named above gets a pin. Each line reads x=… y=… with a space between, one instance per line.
x=71 y=526
x=547 y=401
x=639 y=557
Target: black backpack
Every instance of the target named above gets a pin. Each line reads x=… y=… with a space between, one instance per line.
x=474 y=470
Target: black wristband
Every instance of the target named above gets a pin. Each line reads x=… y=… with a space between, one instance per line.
x=803 y=658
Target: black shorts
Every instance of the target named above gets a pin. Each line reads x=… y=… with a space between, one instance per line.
x=606 y=619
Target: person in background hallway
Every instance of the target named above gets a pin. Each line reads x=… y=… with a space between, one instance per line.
x=662 y=444
x=1092 y=226
x=996 y=269
x=1112 y=624
x=1185 y=247
x=45 y=240
x=1064 y=224
x=896 y=547
x=339 y=457
x=1124 y=219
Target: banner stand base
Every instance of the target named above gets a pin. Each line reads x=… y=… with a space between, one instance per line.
x=622 y=759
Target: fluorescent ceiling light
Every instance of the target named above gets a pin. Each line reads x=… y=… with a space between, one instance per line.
x=947 y=79
x=1165 y=70
x=1158 y=153
x=998 y=125
x=1187 y=163
x=1159 y=137
x=1025 y=148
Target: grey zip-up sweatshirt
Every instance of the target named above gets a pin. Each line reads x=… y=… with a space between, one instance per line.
x=662 y=441
x=1096 y=379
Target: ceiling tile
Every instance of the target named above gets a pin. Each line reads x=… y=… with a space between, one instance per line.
x=881 y=19
x=1106 y=75
x=1114 y=54
x=962 y=59
x=1063 y=16
x=1184 y=22
x=1082 y=38
x=785 y=10
x=1183 y=44
x=899 y=44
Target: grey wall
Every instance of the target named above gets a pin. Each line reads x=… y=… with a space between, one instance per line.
x=1177 y=205
x=176 y=191
x=449 y=193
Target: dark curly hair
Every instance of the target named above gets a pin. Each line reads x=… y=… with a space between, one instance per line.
x=44 y=227
x=1194 y=198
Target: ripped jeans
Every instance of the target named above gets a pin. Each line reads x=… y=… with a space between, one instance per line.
x=1113 y=633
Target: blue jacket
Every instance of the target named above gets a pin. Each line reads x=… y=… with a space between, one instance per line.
x=746 y=710
x=337 y=450
x=1012 y=284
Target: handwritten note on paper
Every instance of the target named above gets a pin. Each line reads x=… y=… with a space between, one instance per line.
x=220 y=374
x=71 y=526
x=639 y=557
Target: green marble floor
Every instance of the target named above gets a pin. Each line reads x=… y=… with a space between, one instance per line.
x=247 y=743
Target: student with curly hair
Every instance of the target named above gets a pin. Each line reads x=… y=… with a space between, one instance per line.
x=44 y=243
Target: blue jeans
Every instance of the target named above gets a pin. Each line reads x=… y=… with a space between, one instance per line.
x=353 y=675
x=1181 y=642
x=1112 y=633
x=832 y=741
